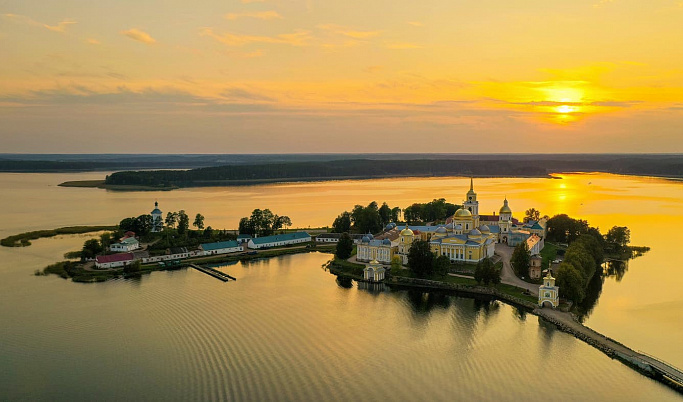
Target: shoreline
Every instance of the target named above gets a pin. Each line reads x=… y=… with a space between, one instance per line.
x=101 y=184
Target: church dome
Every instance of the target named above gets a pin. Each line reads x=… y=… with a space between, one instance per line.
x=458 y=227
x=474 y=232
x=463 y=213
x=505 y=209
x=484 y=229
x=406 y=232
x=441 y=229
x=386 y=242
x=370 y=236
x=365 y=239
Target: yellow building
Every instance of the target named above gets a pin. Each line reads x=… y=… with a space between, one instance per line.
x=462 y=239
x=370 y=249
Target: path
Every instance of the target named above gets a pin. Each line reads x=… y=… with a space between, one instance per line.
x=507 y=275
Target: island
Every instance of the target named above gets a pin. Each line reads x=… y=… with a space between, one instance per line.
x=338 y=167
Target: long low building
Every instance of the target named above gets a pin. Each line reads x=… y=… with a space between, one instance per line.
x=223 y=247
x=279 y=240
x=114 y=260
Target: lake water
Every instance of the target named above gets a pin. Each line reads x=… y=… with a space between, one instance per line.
x=287 y=330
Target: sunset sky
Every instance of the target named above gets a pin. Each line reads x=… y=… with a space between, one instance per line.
x=254 y=76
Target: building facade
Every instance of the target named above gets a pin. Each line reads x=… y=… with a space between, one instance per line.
x=374 y=272
x=548 y=293
x=126 y=245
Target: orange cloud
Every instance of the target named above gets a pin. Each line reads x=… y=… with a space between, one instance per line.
x=345 y=31
x=260 y=15
x=297 y=38
x=138 y=35
x=60 y=27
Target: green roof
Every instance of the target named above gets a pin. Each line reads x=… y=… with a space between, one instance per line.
x=219 y=245
x=280 y=237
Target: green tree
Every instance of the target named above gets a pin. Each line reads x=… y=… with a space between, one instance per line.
x=520 y=260
x=183 y=222
x=342 y=223
x=486 y=272
x=142 y=225
x=344 y=246
x=384 y=214
x=396 y=263
x=571 y=283
x=171 y=219
x=91 y=248
x=441 y=265
x=132 y=268
x=618 y=238
x=532 y=214
x=246 y=227
x=127 y=224
x=284 y=221
x=581 y=259
x=395 y=214
x=105 y=240
x=366 y=219
x=198 y=221
x=562 y=228
x=421 y=259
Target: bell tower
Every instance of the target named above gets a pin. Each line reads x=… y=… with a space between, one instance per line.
x=471 y=203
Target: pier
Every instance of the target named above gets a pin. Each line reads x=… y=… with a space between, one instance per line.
x=214 y=272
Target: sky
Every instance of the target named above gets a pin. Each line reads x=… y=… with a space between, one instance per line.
x=291 y=76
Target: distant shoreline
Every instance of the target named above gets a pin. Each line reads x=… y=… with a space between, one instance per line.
x=101 y=184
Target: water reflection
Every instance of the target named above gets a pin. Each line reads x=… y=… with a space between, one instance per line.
x=616 y=268
x=374 y=288
x=344 y=282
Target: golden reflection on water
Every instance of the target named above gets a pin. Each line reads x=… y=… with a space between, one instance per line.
x=643 y=310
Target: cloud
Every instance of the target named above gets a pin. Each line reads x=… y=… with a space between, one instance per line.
x=297 y=38
x=560 y=103
x=349 y=32
x=260 y=15
x=253 y=1
x=60 y=27
x=138 y=35
x=403 y=46
x=240 y=94
x=415 y=23
x=93 y=41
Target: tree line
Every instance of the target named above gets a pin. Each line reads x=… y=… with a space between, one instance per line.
x=263 y=223
x=482 y=165
x=373 y=218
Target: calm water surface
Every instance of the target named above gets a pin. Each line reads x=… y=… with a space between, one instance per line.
x=286 y=330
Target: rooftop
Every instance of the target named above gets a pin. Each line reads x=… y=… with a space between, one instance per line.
x=219 y=245
x=103 y=259
x=280 y=237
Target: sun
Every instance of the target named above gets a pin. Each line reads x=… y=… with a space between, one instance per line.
x=564 y=109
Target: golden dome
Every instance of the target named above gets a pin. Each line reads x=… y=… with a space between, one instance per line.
x=505 y=209
x=406 y=232
x=463 y=213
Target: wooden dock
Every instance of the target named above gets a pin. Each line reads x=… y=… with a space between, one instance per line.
x=213 y=272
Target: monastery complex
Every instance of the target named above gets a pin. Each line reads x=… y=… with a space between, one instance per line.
x=466 y=236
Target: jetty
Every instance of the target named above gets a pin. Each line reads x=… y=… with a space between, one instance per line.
x=213 y=272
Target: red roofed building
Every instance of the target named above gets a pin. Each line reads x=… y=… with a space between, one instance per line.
x=113 y=260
